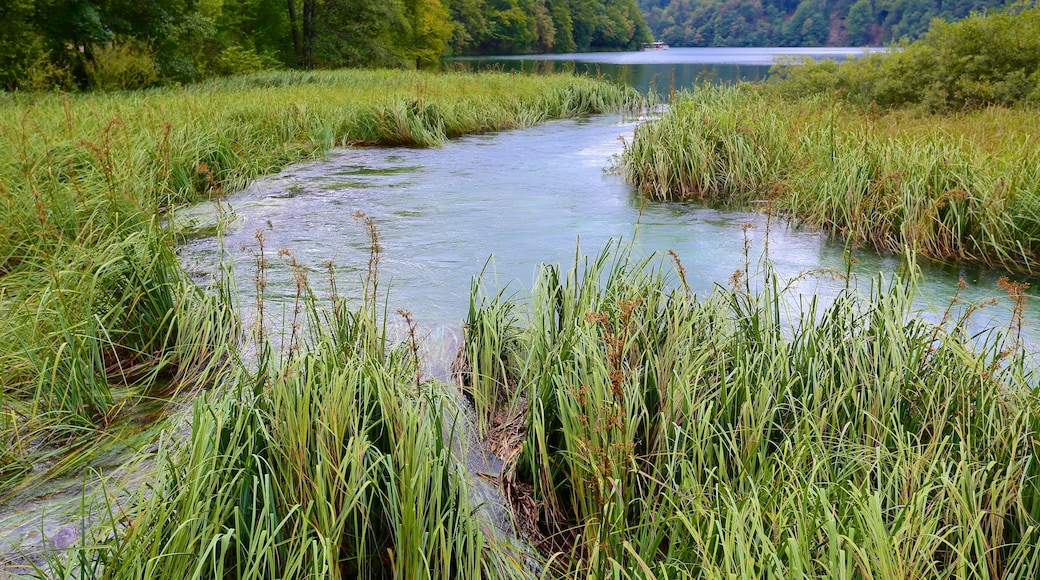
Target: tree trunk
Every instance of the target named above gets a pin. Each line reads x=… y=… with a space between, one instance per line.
x=294 y=25
x=310 y=19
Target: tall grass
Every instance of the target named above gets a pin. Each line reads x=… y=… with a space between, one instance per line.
x=963 y=187
x=96 y=312
x=666 y=435
x=328 y=460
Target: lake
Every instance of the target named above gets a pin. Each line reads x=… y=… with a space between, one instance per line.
x=662 y=69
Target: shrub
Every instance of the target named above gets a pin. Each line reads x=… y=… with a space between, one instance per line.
x=236 y=60
x=122 y=66
x=985 y=59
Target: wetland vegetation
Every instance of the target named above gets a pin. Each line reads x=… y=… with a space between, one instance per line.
x=646 y=432
x=98 y=317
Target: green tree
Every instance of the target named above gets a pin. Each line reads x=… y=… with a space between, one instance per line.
x=428 y=33
x=469 y=25
x=20 y=43
x=859 y=21
x=357 y=33
x=560 y=12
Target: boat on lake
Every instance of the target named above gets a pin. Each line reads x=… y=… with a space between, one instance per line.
x=656 y=45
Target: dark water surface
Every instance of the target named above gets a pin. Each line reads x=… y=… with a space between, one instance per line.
x=663 y=69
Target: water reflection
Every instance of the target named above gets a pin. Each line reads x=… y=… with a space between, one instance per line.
x=663 y=69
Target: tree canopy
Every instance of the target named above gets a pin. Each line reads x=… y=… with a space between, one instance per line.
x=132 y=44
x=800 y=22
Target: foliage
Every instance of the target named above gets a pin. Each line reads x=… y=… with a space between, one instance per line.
x=119 y=66
x=985 y=59
x=800 y=22
x=521 y=26
x=20 y=43
x=74 y=43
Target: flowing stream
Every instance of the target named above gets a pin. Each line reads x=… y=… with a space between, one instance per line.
x=505 y=203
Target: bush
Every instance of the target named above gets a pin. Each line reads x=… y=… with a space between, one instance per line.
x=236 y=60
x=122 y=66
x=985 y=59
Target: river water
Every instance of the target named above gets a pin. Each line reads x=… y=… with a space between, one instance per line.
x=505 y=203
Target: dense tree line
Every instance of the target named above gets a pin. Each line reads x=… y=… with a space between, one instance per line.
x=800 y=22
x=130 y=43
x=520 y=26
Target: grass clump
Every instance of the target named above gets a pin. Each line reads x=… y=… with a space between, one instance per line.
x=329 y=461
x=664 y=435
x=960 y=187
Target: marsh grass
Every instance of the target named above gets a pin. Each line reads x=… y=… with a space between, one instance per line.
x=957 y=187
x=97 y=314
x=667 y=435
x=330 y=458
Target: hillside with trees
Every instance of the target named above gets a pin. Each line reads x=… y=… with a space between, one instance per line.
x=800 y=22
x=104 y=44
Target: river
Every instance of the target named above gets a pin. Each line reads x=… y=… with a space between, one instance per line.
x=503 y=203
x=515 y=199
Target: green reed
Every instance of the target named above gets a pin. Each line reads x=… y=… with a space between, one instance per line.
x=664 y=435
x=960 y=187
x=328 y=460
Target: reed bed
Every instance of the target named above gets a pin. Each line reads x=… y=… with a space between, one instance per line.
x=97 y=314
x=956 y=187
x=331 y=459
x=657 y=434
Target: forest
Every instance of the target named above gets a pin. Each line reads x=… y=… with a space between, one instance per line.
x=800 y=22
x=108 y=44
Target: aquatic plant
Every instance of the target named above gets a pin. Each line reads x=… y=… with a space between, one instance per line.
x=97 y=315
